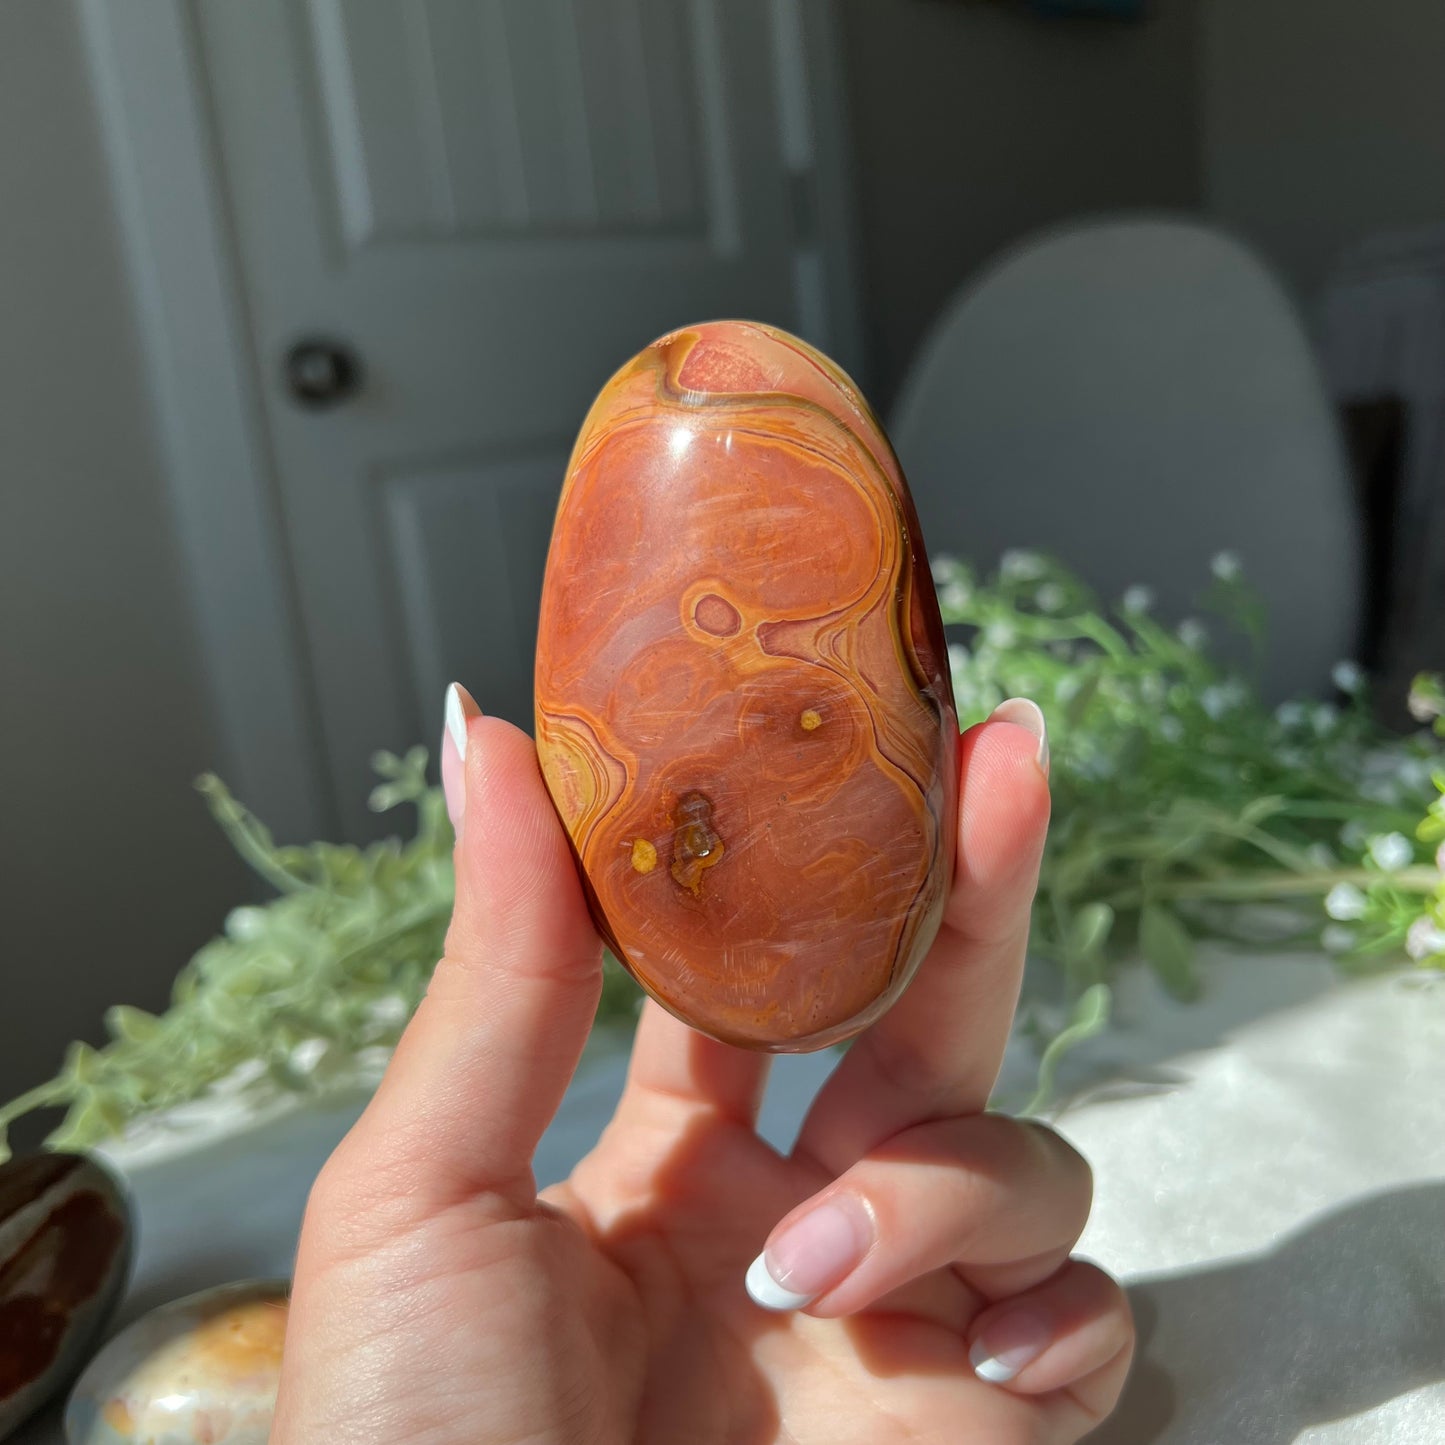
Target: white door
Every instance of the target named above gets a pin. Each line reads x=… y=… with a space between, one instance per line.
x=483 y=207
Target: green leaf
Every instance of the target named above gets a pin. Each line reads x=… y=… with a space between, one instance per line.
x=1090 y=930
x=1169 y=949
x=1090 y=1017
x=1078 y=705
x=1259 y=810
x=132 y=1025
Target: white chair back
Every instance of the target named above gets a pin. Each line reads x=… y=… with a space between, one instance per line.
x=1136 y=396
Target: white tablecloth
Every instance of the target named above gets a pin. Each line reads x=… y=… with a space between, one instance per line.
x=1270 y=1181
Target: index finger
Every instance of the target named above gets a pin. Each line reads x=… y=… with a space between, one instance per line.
x=482 y=1067
x=936 y=1053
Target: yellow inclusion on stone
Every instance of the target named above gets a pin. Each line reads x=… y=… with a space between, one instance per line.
x=810 y=720
x=644 y=856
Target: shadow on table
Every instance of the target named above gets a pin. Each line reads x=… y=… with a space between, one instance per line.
x=1151 y=1031
x=1337 y=1319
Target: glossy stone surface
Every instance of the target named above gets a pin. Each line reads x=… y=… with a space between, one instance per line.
x=744 y=713
x=65 y=1248
x=203 y=1368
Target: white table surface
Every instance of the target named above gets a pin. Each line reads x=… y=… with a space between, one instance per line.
x=1270 y=1182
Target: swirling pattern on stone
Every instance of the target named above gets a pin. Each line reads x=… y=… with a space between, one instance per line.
x=65 y=1247
x=203 y=1368
x=744 y=713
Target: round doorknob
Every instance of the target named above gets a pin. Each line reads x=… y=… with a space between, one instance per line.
x=322 y=373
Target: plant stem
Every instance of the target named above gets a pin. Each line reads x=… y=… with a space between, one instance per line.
x=1279 y=885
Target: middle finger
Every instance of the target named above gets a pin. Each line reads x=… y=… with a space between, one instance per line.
x=937 y=1052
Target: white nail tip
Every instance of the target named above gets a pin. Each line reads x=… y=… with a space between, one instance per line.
x=456 y=720
x=988 y=1367
x=1024 y=712
x=768 y=1293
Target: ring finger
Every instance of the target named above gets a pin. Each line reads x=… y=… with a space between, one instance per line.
x=936 y=1053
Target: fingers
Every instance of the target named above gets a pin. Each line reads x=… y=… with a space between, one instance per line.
x=984 y=1192
x=1074 y=1332
x=674 y=1066
x=937 y=1052
x=481 y=1069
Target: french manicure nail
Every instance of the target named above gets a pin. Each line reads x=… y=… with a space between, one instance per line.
x=1010 y=1342
x=1027 y=714
x=811 y=1255
x=456 y=713
x=459 y=707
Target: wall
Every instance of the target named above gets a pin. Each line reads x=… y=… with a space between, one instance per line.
x=110 y=870
x=975 y=122
x=1321 y=123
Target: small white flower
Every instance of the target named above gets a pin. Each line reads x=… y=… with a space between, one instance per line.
x=1018 y=565
x=1353 y=835
x=1422 y=704
x=1171 y=729
x=1137 y=599
x=958 y=656
x=1391 y=851
x=945 y=569
x=1293 y=758
x=1380 y=790
x=1321 y=855
x=1336 y=938
x=953 y=597
x=1220 y=698
x=1050 y=597
x=1413 y=773
x=245 y=924
x=1226 y=566
x=1348 y=676
x=1151 y=688
x=1323 y=717
x=999 y=634
x=1425 y=939
x=388 y=1011
x=1345 y=902
x=1193 y=633
x=1289 y=714
x=307 y=1054
x=1068 y=687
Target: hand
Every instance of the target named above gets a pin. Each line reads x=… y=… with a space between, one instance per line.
x=439 y=1298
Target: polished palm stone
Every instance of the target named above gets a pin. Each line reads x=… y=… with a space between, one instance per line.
x=65 y=1245
x=203 y=1368
x=743 y=706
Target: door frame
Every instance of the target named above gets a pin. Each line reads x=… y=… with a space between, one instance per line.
x=205 y=380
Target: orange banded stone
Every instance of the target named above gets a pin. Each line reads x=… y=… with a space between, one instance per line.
x=741 y=674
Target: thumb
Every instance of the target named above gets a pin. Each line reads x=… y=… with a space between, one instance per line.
x=482 y=1067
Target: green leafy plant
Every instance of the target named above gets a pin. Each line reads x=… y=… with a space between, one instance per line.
x=304 y=994
x=1183 y=810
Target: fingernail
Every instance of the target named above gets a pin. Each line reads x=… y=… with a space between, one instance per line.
x=459 y=707
x=811 y=1255
x=1007 y=1344
x=1027 y=714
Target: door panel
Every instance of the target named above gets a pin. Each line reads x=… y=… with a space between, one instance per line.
x=495 y=203
x=469 y=545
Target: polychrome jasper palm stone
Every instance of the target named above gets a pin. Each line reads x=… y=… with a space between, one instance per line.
x=743 y=707
x=65 y=1251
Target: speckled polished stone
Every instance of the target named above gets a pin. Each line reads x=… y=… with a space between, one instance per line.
x=743 y=706
x=203 y=1368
